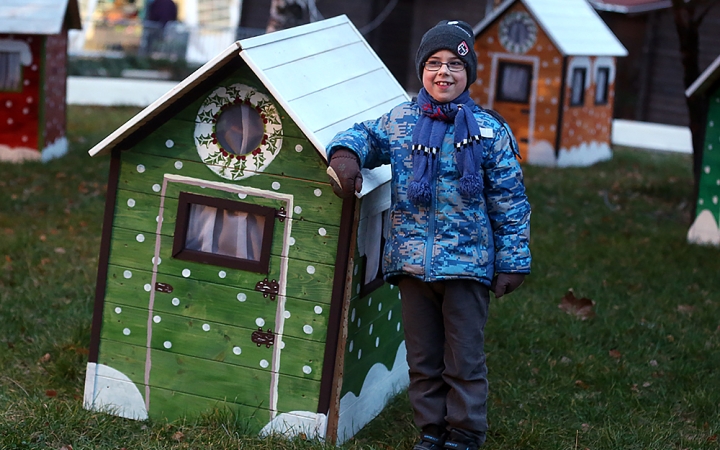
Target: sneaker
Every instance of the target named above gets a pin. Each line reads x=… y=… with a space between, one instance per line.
x=454 y=445
x=430 y=442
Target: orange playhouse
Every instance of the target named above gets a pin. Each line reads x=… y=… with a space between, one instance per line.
x=548 y=67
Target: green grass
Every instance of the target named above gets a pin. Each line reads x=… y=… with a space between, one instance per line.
x=642 y=374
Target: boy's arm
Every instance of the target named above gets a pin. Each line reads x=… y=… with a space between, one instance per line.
x=368 y=140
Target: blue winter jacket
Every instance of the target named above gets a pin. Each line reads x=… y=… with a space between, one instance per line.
x=454 y=237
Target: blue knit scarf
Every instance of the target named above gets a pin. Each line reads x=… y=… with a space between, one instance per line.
x=427 y=140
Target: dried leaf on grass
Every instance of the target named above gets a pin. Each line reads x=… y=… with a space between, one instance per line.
x=685 y=308
x=178 y=436
x=581 y=308
x=615 y=353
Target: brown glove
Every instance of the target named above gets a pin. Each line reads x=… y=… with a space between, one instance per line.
x=505 y=283
x=344 y=172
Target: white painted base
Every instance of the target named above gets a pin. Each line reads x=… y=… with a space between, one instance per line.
x=583 y=155
x=541 y=153
x=55 y=150
x=18 y=154
x=111 y=391
x=294 y=423
x=379 y=387
x=704 y=230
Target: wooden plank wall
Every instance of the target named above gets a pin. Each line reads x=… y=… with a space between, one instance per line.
x=213 y=311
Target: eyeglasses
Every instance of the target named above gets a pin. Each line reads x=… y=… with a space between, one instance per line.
x=453 y=66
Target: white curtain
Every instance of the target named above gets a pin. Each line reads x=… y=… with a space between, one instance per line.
x=230 y=233
x=372 y=252
x=515 y=82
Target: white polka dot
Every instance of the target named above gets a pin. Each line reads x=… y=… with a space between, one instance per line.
x=156 y=260
x=167 y=344
x=237 y=350
x=140 y=237
x=352 y=315
x=322 y=231
x=34 y=67
x=264 y=364
x=717 y=181
x=24 y=138
x=298 y=210
x=222 y=274
x=118 y=310
x=317 y=192
x=131 y=202
x=241 y=297
x=291 y=241
x=307 y=329
x=140 y=168
x=8 y=104
x=29 y=100
x=357 y=289
x=282 y=345
x=377 y=342
x=176 y=301
x=126 y=331
x=298 y=148
x=707 y=169
x=127 y=274
x=398 y=327
x=701 y=201
x=310 y=270
x=307 y=370
x=169 y=143
x=147 y=287
x=359 y=324
x=370 y=330
x=715 y=200
x=276 y=185
x=157 y=319
x=286 y=314
x=359 y=353
x=186 y=273
x=156 y=187
x=380 y=306
x=178 y=165
x=10 y=121
x=26 y=82
x=318 y=309
x=242 y=196
x=350 y=347
x=390 y=315
x=355 y=270
x=206 y=327
x=370 y=301
x=260 y=321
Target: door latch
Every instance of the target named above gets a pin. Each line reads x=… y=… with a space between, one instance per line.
x=260 y=337
x=268 y=288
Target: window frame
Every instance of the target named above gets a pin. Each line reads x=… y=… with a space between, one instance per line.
x=379 y=280
x=583 y=73
x=606 y=86
x=21 y=77
x=179 y=250
x=528 y=88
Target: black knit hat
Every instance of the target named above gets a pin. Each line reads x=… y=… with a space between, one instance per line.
x=454 y=35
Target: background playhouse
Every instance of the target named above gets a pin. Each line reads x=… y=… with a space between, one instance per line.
x=548 y=67
x=230 y=274
x=704 y=229
x=33 y=55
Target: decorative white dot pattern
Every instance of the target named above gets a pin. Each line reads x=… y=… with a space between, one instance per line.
x=156 y=187
x=140 y=238
x=298 y=210
x=260 y=321
x=169 y=143
x=140 y=168
x=276 y=185
x=186 y=273
x=176 y=301
x=359 y=353
x=286 y=314
x=264 y=364
x=322 y=231
x=167 y=344
x=157 y=319
x=147 y=287
x=370 y=330
x=377 y=342
x=222 y=274
x=311 y=269
x=118 y=310
x=298 y=148
x=307 y=370
x=242 y=196
x=350 y=347
x=178 y=165
x=307 y=329
x=127 y=274
x=126 y=331
x=317 y=192
x=206 y=327
x=156 y=259
x=241 y=297
x=318 y=309
x=291 y=241
x=237 y=350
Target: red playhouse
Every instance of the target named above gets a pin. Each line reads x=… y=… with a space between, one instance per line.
x=33 y=75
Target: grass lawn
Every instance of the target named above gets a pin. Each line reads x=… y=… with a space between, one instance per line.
x=641 y=373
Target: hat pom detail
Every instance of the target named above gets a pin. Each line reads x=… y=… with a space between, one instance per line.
x=419 y=192
x=471 y=185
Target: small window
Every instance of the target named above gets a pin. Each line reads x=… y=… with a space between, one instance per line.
x=223 y=232
x=601 y=85
x=10 y=71
x=239 y=129
x=577 y=94
x=372 y=276
x=514 y=83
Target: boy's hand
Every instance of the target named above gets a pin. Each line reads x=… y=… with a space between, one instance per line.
x=505 y=283
x=344 y=172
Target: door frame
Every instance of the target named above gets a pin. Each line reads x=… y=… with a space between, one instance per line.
x=495 y=65
x=282 y=281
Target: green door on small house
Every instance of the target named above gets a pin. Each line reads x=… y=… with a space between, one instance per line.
x=227 y=343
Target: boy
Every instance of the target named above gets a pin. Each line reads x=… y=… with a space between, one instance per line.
x=460 y=226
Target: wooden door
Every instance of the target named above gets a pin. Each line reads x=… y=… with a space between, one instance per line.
x=513 y=96
x=226 y=343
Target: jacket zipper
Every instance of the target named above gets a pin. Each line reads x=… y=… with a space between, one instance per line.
x=431 y=222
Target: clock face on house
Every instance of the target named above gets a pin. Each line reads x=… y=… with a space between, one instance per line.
x=518 y=32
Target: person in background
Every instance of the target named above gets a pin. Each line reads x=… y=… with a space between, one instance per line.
x=460 y=227
x=157 y=16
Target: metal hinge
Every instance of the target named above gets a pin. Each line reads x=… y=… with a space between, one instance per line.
x=268 y=288
x=163 y=287
x=260 y=337
x=281 y=214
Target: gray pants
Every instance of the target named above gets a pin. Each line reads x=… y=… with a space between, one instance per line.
x=444 y=325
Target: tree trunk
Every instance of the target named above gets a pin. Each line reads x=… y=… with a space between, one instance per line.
x=687 y=28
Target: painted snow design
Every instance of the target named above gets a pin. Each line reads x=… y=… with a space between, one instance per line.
x=223 y=162
x=584 y=155
x=379 y=387
x=541 y=153
x=294 y=423
x=110 y=390
x=704 y=230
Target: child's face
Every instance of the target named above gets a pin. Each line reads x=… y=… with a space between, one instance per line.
x=444 y=86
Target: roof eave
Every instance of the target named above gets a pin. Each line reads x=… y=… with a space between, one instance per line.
x=705 y=80
x=635 y=9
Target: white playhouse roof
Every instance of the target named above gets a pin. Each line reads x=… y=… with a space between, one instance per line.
x=324 y=74
x=573 y=26
x=38 y=16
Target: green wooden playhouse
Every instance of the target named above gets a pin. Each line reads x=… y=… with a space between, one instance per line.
x=230 y=275
x=704 y=229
